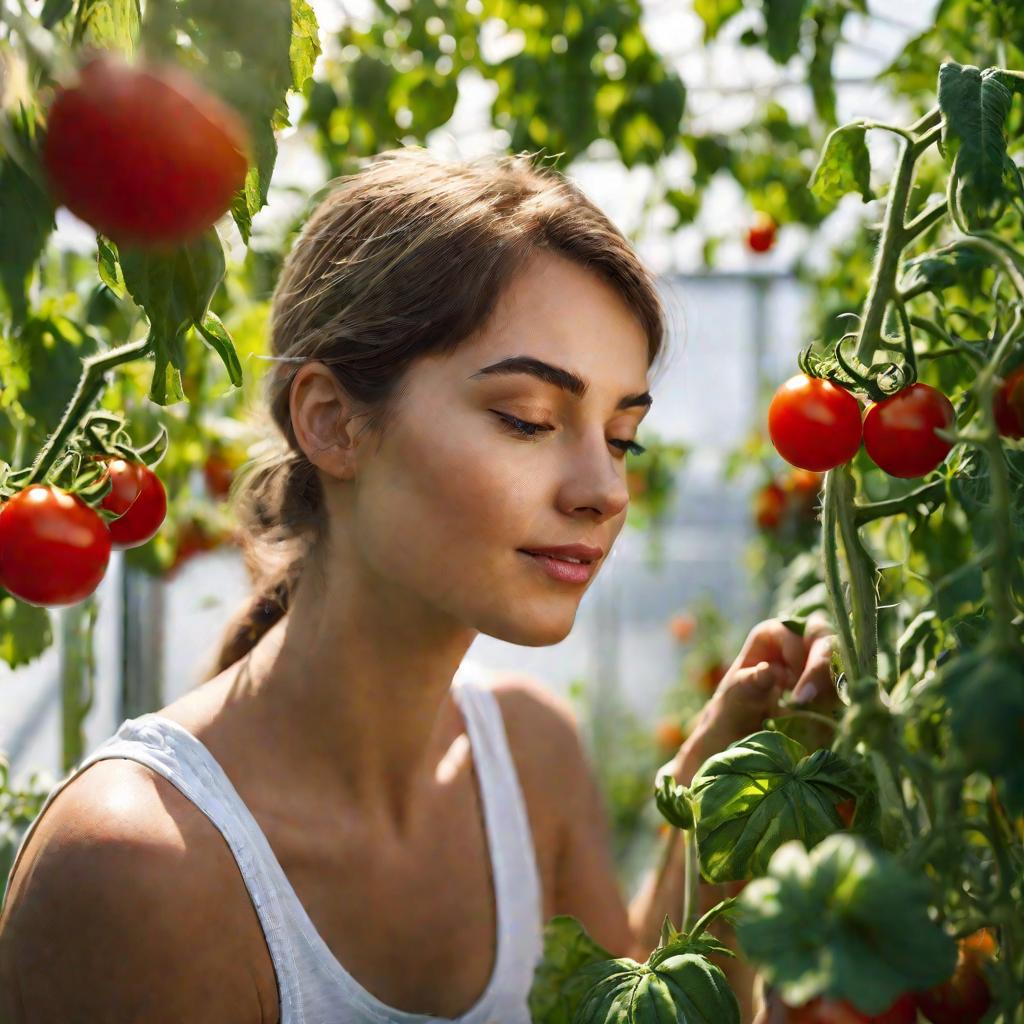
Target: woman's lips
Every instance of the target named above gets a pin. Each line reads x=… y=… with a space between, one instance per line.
x=566 y=572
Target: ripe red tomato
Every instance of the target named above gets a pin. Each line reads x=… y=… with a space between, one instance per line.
x=840 y=1011
x=814 y=424
x=143 y=153
x=54 y=548
x=965 y=997
x=682 y=626
x=1008 y=405
x=217 y=473
x=769 y=505
x=846 y=810
x=138 y=497
x=761 y=234
x=712 y=676
x=193 y=538
x=899 y=433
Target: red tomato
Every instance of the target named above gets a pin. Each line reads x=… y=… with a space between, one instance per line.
x=846 y=810
x=193 y=538
x=54 y=548
x=712 y=676
x=139 y=499
x=965 y=997
x=669 y=735
x=217 y=473
x=899 y=433
x=769 y=505
x=761 y=234
x=143 y=153
x=814 y=424
x=1008 y=405
x=636 y=483
x=840 y=1011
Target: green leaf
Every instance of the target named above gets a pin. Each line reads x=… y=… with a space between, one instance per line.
x=846 y=921
x=975 y=105
x=759 y=793
x=937 y=271
x=54 y=11
x=554 y=995
x=175 y=290
x=24 y=631
x=783 y=19
x=216 y=335
x=673 y=802
x=715 y=13
x=26 y=211
x=985 y=693
x=845 y=165
x=109 y=265
x=107 y=25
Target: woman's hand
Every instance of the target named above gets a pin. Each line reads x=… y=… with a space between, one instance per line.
x=773 y=661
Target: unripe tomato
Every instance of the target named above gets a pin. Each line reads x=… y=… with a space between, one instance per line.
x=138 y=498
x=54 y=548
x=840 y=1011
x=144 y=154
x=769 y=505
x=1008 y=405
x=814 y=424
x=899 y=432
x=669 y=735
x=965 y=997
x=761 y=234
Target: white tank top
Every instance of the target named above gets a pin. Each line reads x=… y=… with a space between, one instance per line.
x=314 y=987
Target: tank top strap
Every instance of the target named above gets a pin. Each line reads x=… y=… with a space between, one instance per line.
x=519 y=891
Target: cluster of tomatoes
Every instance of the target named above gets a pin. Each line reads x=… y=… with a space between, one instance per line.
x=817 y=425
x=54 y=547
x=143 y=153
x=794 y=497
x=963 y=999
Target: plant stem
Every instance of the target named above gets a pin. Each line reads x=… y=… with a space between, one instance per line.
x=833 y=578
x=90 y=385
x=690 y=890
x=865 y=513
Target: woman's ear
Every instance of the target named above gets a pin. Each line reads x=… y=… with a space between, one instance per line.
x=323 y=418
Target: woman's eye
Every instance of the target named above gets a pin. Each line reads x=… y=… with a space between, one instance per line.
x=528 y=429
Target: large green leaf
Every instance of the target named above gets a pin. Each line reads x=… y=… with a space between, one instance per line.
x=555 y=993
x=845 y=166
x=759 y=793
x=975 y=105
x=845 y=920
x=783 y=19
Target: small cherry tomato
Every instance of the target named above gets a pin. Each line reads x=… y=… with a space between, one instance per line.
x=899 y=432
x=769 y=505
x=138 y=498
x=193 y=538
x=682 y=626
x=217 y=473
x=712 y=676
x=846 y=810
x=814 y=424
x=761 y=233
x=1008 y=405
x=669 y=735
x=54 y=548
x=965 y=997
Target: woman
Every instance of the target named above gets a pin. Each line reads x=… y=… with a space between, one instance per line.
x=342 y=824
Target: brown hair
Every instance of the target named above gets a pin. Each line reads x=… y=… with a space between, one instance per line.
x=402 y=259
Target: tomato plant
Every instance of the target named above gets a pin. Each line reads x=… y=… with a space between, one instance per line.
x=218 y=473
x=143 y=154
x=814 y=424
x=761 y=233
x=899 y=432
x=54 y=548
x=138 y=498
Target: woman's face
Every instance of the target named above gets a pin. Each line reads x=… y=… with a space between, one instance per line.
x=444 y=507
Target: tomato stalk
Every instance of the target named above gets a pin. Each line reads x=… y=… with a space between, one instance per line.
x=90 y=385
x=896 y=235
x=690 y=889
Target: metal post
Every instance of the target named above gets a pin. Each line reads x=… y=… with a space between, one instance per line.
x=142 y=642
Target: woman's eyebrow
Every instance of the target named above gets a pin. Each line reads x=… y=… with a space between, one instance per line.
x=561 y=378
